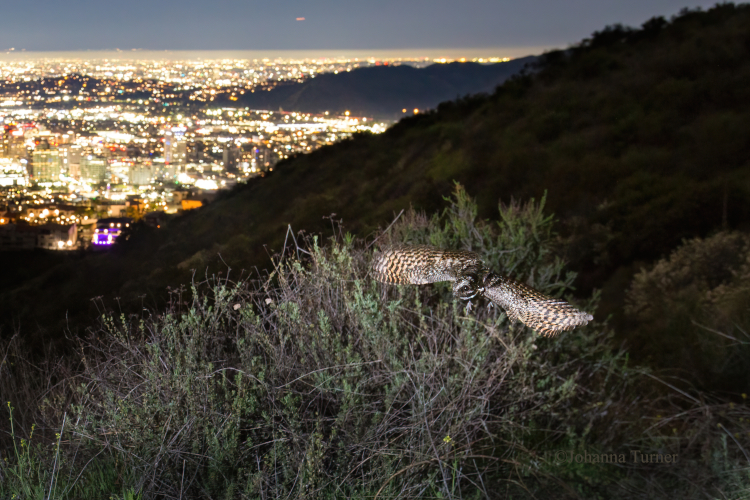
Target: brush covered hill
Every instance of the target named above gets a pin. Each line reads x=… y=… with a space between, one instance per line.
x=638 y=137
x=323 y=383
x=383 y=91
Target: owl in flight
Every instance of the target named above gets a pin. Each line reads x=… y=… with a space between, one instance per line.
x=420 y=264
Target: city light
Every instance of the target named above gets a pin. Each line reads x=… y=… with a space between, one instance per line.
x=208 y=184
x=85 y=141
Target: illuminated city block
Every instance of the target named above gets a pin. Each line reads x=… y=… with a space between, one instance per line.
x=57 y=237
x=12 y=173
x=191 y=204
x=94 y=169
x=105 y=239
x=46 y=165
x=108 y=230
x=46 y=236
x=141 y=174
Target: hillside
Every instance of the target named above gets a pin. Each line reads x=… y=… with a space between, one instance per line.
x=323 y=383
x=638 y=137
x=383 y=91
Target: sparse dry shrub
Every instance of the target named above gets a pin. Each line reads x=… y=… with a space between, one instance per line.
x=315 y=381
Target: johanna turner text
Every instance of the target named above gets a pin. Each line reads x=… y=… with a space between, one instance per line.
x=635 y=456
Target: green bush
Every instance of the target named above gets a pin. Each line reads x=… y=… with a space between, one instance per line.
x=692 y=310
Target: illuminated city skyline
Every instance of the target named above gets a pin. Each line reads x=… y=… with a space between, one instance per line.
x=88 y=145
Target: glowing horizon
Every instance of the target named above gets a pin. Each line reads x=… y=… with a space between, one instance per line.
x=332 y=54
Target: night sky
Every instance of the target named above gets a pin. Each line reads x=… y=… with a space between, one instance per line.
x=54 y=25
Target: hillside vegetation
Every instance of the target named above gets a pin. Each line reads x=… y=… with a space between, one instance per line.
x=315 y=381
x=638 y=137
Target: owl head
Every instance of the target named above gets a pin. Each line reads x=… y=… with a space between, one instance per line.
x=467 y=286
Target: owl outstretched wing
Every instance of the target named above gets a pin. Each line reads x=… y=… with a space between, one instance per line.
x=547 y=315
x=420 y=264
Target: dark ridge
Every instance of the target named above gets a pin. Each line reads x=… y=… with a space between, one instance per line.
x=384 y=91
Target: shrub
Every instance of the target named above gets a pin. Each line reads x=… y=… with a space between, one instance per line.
x=692 y=309
x=316 y=381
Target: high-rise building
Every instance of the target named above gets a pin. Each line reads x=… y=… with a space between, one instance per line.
x=140 y=174
x=71 y=159
x=230 y=155
x=13 y=145
x=94 y=169
x=47 y=164
x=12 y=173
x=175 y=146
x=6 y=140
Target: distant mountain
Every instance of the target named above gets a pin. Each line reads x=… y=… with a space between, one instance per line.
x=384 y=91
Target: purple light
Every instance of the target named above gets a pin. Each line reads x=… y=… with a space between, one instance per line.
x=102 y=239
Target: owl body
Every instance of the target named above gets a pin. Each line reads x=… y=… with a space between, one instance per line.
x=421 y=264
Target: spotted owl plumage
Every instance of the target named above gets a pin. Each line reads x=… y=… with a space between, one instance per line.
x=421 y=264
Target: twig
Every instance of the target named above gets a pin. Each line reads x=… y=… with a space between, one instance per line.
x=182 y=481
x=736 y=442
x=726 y=336
x=328 y=368
x=673 y=387
x=286 y=238
x=386 y=229
x=57 y=453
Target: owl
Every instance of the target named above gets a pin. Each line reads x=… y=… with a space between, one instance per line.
x=422 y=264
